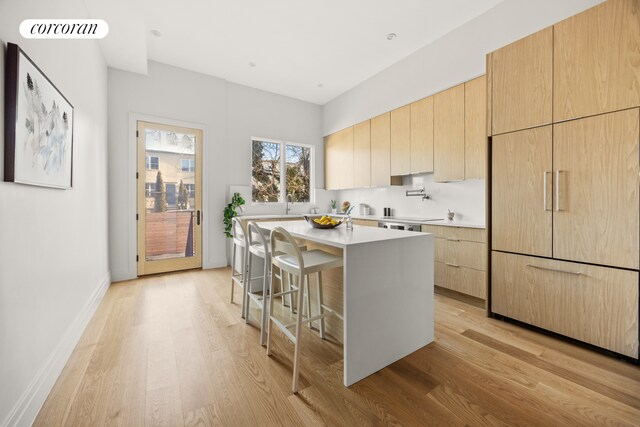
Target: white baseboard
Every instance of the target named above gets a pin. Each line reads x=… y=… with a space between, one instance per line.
x=26 y=409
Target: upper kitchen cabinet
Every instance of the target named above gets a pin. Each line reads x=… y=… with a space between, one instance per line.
x=381 y=150
x=596 y=162
x=331 y=161
x=422 y=135
x=401 y=141
x=362 y=154
x=522 y=75
x=475 y=139
x=338 y=149
x=597 y=61
x=448 y=134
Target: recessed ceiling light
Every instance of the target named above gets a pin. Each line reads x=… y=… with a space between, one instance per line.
x=320 y=84
x=252 y=64
x=391 y=36
x=156 y=33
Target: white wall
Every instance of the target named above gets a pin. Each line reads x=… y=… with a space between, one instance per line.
x=53 y=243
x=231 y=115
x=456 y=57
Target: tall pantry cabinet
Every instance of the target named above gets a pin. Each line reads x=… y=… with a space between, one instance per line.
x=564 y=184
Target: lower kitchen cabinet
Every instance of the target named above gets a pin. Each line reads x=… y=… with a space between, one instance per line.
x=597 y=305
x=366 y=222
x=461 y=261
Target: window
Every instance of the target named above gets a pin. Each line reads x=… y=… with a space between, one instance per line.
x=151 y=162
x=150 y=189
x=191 y=188
x=274 y=163
x=188 y=165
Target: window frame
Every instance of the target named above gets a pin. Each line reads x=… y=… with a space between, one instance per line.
x=190 y=168
x=283 y=171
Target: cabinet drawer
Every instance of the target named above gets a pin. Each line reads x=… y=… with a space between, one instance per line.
x=461 y=252
x=459 y=233
x=366 y=222
x=461 y=279
x=598 y=305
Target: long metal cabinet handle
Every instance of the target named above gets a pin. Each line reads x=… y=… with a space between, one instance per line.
x=544 y=190
x=452 y=240
x=558 y=172
x=451 y=265
x=575 y=273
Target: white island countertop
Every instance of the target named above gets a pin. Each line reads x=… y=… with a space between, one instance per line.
x=340 y=237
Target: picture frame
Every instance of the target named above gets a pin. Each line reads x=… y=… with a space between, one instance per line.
x=38 y=137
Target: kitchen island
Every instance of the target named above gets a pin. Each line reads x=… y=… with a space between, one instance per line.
x=387 y=291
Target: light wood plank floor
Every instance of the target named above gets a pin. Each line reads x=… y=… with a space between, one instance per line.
x=170 y=350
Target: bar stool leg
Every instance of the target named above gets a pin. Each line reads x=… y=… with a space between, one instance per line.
x=271 y=300
x=296 y=354
x=290 y=282
x=320 y=302
x=246 y=305
x=308 y=300
x=233 y=268
x=243 y=278
x=266 y=297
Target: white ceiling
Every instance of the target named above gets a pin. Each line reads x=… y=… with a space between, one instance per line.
x=295 y=44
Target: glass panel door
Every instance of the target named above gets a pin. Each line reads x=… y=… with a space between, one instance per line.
x=169 y=198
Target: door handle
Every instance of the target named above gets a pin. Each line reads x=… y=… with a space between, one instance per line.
x=544 y=190
x=575 y=273
x=558 y=172
x=198 y=217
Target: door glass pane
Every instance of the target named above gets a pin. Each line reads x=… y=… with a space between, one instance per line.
x=265 y=177
x=170 y=194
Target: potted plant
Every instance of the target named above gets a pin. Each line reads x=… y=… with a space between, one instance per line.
x=231 y=211
x=334 y=206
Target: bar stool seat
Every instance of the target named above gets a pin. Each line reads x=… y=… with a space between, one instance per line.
x=288 y=258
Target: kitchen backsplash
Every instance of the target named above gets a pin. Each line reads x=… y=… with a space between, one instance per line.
x=465 y=198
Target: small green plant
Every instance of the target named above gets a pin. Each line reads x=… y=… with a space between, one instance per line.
x=231 y=211
x=334 y=204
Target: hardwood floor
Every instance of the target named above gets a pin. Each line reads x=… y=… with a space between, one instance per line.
x=170 y=350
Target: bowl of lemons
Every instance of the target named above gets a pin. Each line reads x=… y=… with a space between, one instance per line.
x=323 y=222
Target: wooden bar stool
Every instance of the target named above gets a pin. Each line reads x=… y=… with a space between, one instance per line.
x=239 y=243
x=259 y=245
x=286 y=255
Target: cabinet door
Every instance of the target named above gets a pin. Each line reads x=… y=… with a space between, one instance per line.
x=521 y=204
x=596 y=201
x=448 y=134
x=401 y=141
x=380 y=150
x=522 y=83
x=362 y=155
x=422 y=135
x=598 y=305
x=331 y=160
x=475 y=139
x=346 y=158
x=596 y=65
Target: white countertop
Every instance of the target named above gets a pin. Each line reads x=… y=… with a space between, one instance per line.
x=404 y=220
x=341 y=237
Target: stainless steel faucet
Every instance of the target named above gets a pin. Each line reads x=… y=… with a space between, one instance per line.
x=289 y=199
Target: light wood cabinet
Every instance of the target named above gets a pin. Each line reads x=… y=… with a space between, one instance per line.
x=381 y=150
x=596 y=204
x=366 y=222
x=475 y=134
x=448 y=134
x=362 y=154
x=596 y=60
x=422 y=135
x=598 y=305
x=522 y=80
x=346 y=158
x=331 y=162
x=401 y=141
x=521 y=215
x=489 y=92
x=460 y=259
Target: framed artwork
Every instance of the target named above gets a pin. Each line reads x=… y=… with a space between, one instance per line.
x=38 y=140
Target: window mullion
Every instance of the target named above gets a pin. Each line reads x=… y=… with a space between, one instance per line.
x=283 y=172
